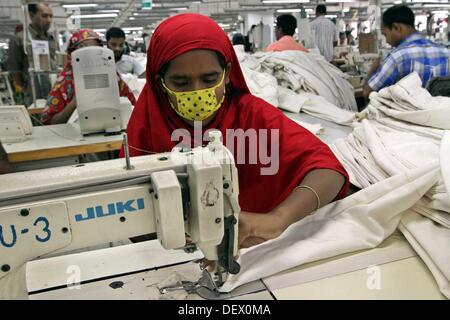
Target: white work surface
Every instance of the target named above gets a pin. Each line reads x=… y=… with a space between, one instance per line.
x=100 y=269
x=402 y=275
x=58 y=142
x=331 y=131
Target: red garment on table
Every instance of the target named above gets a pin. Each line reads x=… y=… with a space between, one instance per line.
x=153 y=119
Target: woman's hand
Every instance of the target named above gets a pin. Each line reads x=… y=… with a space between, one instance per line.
x=256 y=228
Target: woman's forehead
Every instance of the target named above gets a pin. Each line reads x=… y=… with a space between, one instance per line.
x=200 y=61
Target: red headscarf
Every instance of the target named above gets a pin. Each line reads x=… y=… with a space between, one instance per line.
x=153 y=120
x=79 y=36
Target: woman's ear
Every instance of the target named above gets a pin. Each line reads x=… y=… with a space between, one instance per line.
x=159 y=82
x=227 y=73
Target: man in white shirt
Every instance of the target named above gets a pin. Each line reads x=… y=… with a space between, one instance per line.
x=325 y=32
x=115 y=40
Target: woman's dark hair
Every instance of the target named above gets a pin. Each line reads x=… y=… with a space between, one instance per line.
x=398 y=14
x=163 y=70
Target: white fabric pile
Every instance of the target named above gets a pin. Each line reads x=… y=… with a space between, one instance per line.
x=405 y=174
x=295 y=88
x=407 y=101
x=407 y=130
x=314 y=105
x=306 y=72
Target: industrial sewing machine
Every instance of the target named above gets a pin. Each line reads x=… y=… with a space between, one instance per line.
x=59 y=210
x=98 y=102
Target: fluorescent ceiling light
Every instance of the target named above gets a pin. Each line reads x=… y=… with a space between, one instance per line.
x=285 y=1
x=288 y=10
x=92 y=16
x=440 y=5
x=294 y=10
x=81 y=5
x=177 y=9
x=440 y=13
x=133 y=29
x=100 y=30
x=108 y=11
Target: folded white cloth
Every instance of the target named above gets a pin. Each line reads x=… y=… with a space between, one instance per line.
x=360 y=221
x=262 y=85
x=431 y=242
x=301 y=71
x=314 y=128
x=408 y=101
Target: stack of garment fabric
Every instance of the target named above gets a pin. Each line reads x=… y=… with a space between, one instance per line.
x=307 y=72
x=314 y=105
x=405 y=179
x=407 y=101
x=264 y=84
x=406 y=128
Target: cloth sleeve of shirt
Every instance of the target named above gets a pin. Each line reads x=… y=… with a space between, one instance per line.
x=385 y=76
x=16 y=55
x=294 y=152
x=138 y=69
x=57 y=100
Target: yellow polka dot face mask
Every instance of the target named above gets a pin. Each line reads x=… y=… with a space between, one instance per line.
x=197 y=105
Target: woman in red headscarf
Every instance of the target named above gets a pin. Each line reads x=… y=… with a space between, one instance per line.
x=190 y=57
x=61 y=100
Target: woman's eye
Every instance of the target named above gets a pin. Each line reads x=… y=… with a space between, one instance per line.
x=180 y=84
x=210 y=81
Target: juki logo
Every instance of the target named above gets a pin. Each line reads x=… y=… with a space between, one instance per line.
x=111 y=209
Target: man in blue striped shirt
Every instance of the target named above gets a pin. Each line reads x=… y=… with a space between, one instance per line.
x=412 y=52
